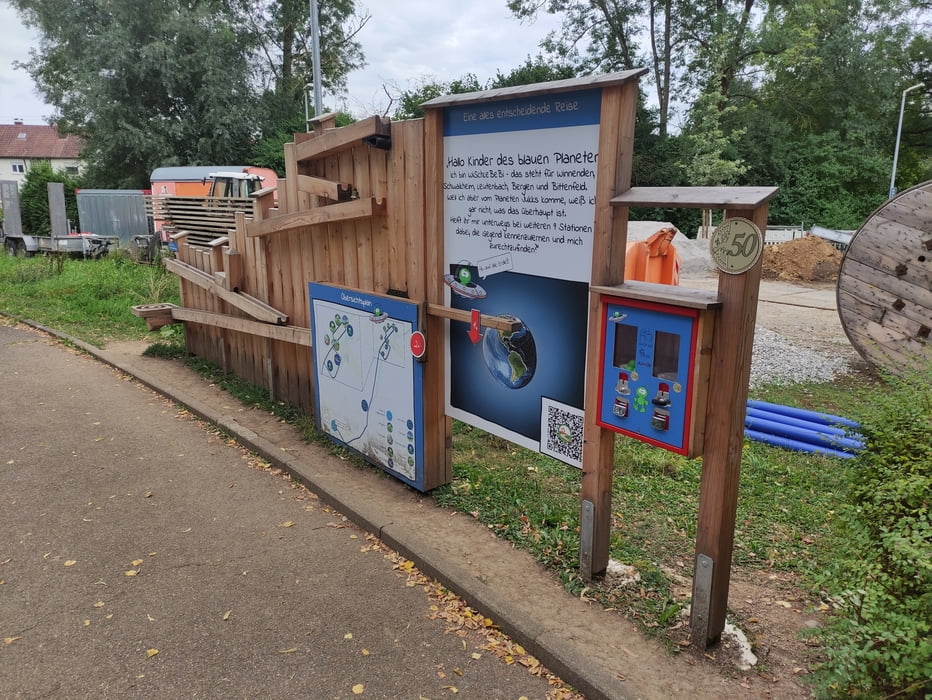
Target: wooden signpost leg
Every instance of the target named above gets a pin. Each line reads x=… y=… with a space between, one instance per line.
x=724 y=439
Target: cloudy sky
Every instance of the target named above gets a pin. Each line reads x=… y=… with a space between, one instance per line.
x=403 y=42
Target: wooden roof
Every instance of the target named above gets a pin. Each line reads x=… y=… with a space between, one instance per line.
x=37 y=141
x=568 y=85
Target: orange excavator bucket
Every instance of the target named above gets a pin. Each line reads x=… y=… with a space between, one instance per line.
x=654 y=259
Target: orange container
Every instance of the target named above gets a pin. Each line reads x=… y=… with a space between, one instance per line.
x=654 y=259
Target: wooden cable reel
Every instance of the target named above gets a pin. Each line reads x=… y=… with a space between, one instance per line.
x=885 y=284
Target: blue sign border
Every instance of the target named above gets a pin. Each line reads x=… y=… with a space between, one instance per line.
x=552 y=111
x=392 y=307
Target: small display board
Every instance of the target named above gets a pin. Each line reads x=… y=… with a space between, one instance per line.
x=368 y=382
x=648 y=353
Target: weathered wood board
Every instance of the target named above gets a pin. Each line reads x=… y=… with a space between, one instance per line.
x=885 y=284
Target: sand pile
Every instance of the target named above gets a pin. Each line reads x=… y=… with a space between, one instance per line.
x=808 y=259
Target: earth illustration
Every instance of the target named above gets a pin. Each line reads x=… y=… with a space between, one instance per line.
x=510 y=357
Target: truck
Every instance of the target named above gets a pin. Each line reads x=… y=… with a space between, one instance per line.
x=202 y=201
x=63 y=240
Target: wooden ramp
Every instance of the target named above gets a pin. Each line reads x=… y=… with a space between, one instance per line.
x=885 y=284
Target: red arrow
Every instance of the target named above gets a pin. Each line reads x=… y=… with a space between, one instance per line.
x=474 y=334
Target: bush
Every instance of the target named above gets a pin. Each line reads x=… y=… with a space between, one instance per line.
x=34 y=198
x=879 y=641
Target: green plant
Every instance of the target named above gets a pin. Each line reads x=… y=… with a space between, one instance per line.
x=878 y=643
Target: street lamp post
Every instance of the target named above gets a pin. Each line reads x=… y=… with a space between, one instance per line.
x=899 y=130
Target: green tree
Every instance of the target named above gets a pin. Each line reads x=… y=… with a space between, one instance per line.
x=410 y=101
x=169 y=82
x=34 y=198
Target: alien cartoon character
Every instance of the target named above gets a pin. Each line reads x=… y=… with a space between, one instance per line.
x=640 y=400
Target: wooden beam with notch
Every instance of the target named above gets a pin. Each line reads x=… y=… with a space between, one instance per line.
x=317 y=186
x=242 y=301
x=336 y=140
x=334 y=213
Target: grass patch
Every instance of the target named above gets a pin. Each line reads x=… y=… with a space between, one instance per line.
x=88 y=299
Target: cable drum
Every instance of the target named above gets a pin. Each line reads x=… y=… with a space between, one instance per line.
x=884 y=289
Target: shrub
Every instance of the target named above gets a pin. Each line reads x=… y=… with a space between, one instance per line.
x=879 y=643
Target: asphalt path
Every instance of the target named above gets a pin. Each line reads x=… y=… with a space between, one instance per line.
x=143 y=554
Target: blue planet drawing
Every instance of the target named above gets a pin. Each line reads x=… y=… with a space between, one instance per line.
x=511 y=357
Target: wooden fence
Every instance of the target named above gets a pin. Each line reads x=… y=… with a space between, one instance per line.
x=350 y=212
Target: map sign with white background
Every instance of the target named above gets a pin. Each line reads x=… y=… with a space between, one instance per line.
x=368 y=384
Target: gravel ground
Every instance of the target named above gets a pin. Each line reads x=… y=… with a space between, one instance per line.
x=778 y=360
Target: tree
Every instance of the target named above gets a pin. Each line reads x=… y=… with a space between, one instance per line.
x=168 y=82
x=34 y=198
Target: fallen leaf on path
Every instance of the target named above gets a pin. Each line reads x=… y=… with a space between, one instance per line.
x=288 y=651
x=288 y=523
x=99 y=604
x=348 y=635
x=452 y=688
x=358 y=689
x=364 y=652
x=70 y=562
x=87 y=623
x=10 y=640
x=226 y=615
x=151 y=652
x=137 y=562
x=131 y=572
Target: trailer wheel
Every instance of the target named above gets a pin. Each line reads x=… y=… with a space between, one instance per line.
x=14 y=248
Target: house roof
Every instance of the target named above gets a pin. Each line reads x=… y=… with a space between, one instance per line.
x=37 y=141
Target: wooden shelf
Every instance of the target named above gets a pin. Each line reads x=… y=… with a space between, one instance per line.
x=662 y=294
x=695 y=197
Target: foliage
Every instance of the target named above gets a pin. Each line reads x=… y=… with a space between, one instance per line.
x=171 y=83
x=88 y=299
x=34 y=198
x=410 y=101
x=880 y=640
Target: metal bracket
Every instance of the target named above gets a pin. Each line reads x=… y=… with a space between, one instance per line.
x=702 y=599
x=586 y=533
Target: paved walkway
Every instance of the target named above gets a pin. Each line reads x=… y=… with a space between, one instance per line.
x=141 y=556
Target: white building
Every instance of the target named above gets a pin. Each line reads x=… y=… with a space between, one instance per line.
x=22 y=146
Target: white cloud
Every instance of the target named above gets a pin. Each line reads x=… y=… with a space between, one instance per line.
x=405 y=42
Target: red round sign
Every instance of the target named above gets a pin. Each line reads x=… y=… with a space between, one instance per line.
x=418 y=344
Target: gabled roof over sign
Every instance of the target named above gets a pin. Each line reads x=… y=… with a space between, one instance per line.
x=37 y=141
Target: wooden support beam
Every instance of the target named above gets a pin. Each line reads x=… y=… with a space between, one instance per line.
x=319 y=187
x=334 y=213
x=729 y=374
x=250 y=305
x=288 y=334
x=336 y=140
x=232 y=269
x=496 y=322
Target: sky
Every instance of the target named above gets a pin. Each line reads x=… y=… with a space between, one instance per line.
x=404 y=42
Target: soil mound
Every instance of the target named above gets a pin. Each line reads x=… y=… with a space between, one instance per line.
x=808 y=259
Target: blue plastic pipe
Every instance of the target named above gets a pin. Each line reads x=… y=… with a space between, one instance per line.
x=798 y=434
x=797 y=445
x=803 y=414
x=798 y=422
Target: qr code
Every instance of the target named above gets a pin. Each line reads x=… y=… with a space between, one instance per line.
x=561 y=430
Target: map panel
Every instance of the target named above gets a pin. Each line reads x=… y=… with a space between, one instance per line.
x=368 y=384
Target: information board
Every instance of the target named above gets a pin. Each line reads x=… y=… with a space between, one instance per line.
x=519 y=210
x=368 y=384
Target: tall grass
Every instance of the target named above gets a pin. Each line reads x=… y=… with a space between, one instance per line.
x=89 y=299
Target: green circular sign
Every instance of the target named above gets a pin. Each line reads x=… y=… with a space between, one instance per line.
x=736 y=245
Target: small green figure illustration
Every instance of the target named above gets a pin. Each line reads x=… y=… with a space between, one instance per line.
x=640 y=401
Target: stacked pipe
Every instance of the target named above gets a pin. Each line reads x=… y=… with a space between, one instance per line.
x=802 y=430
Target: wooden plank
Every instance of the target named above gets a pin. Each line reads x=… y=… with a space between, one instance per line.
x=348 y=229
x=365 y=264
x=334 y=213
x=662 y=294
x=497 y=322
x=332 y=141
x=244 y=302
x=428 y=283
x=337 y=191
x=730 y=371
x=396 y=244
x=605 y=80
x=910 y=287
x=616 y=130
x=696 y=197
x=422 y=234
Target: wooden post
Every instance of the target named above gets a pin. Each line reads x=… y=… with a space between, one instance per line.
x=732 y=347
x=616 y=145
